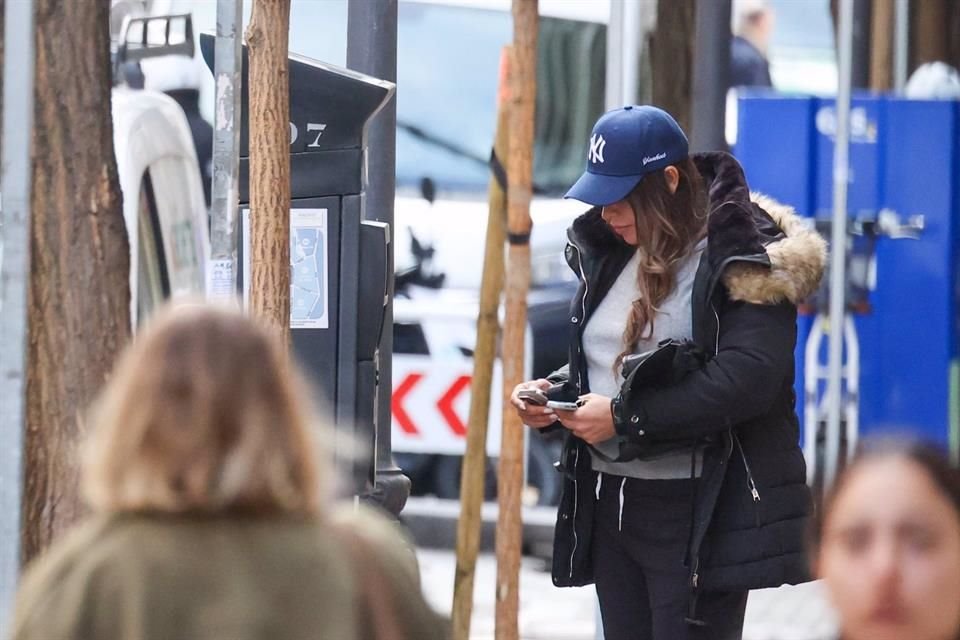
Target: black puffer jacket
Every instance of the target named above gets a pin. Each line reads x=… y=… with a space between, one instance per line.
x=752 y=503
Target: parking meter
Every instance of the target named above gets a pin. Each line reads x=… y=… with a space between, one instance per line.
x=339 y=268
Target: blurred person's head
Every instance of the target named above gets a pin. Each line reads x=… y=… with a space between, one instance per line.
x=178 y=76
x=933 y=81
x=204 y=413
x=753 y=20
x=640 y=173
x=171 y=73
x=888 y=545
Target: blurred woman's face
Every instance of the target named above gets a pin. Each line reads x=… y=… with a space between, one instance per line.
x=890 y=555
x=621 y=219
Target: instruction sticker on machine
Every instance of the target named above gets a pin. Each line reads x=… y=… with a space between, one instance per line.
x=309 y=277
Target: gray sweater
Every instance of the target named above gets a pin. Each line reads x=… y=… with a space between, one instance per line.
x=603 y=342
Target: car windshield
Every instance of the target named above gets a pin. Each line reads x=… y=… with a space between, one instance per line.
x=448 y=61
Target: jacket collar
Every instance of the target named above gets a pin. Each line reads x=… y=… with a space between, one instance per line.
x=761 y=248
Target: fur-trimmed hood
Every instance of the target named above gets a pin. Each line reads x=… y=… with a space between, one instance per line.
x=796 y=260
x=761 y=249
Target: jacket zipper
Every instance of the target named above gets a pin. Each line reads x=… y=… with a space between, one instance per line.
x=716 y=346
x=576 y=459
x=576 y=497
x=753 y=486
x=746 y=465
x=583 y=304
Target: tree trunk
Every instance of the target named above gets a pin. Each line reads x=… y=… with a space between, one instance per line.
x=267 y=39
x=522 y=101
x=79 y=295
x=488 y=328
x=671 y=55
x=881 y=45
x=934 y=32
x=953 y=33
x=928 y=31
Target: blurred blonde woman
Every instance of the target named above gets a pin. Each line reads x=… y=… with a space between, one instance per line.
x=210 y=515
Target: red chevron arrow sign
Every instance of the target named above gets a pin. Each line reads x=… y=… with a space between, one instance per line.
x=431 y=405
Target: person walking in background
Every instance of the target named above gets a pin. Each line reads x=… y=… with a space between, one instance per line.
x=753 y=26
x=211 y=516
x=683 y=492
x=888 y=545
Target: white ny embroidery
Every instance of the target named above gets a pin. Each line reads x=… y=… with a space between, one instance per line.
x=597 y=143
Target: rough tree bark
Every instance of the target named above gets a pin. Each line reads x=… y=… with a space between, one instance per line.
x=267 y=39
x=934 y=32
x=882 y=24
x=522 y=101
x=79 y=294
x=488 y=329
x=671 y=56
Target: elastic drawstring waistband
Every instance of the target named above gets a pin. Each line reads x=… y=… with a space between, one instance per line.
x=620 y=521
x=599 y=483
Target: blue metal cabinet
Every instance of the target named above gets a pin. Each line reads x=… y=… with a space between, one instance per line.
x=904 y=157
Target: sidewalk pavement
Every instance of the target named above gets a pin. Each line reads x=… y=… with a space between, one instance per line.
x=549 y=613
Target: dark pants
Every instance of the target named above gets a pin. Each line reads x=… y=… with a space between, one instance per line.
x=639 y=565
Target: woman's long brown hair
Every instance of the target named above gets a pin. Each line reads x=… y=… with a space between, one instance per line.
x=669 y=225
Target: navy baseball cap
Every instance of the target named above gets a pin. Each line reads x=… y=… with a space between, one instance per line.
x=627 y=144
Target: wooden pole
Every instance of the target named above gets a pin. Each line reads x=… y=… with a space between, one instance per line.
x=488 y=325
x=928 y=27
x=881 y=45
x=520 y=169
x=267 y=39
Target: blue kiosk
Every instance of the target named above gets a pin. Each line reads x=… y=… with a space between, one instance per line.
x=903 y=324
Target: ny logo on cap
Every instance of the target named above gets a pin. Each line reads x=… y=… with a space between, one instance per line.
x=597 y=143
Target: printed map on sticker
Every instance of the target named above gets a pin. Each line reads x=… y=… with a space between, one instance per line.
x=309 y=282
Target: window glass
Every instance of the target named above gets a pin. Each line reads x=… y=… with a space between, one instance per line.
x=448 y=60
x=152 y=286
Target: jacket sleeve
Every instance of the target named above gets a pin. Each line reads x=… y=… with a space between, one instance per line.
x=561 y=375
x=754 y=356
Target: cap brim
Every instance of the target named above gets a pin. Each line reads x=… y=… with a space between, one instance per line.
x=600 y=190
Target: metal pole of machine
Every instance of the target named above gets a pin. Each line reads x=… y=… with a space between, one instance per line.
x=711 y=73
x=901 y=41
x=221 y=272
x=372 y=49
x=625 y=34
x=631 y=39
x=18 y=65
x=838 y=245
x=614 y=95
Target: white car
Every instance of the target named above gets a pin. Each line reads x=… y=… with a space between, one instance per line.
x=163 y=204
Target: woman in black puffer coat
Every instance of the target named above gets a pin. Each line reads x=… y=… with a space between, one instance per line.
x=683 y=494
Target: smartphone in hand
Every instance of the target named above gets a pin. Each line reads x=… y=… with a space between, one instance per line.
x=533 y=396
x=564 y=406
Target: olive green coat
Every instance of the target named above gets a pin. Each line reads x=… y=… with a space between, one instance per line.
x=139 y=577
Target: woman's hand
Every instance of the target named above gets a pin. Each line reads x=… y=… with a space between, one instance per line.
x=533 y=415
x=593 y=421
